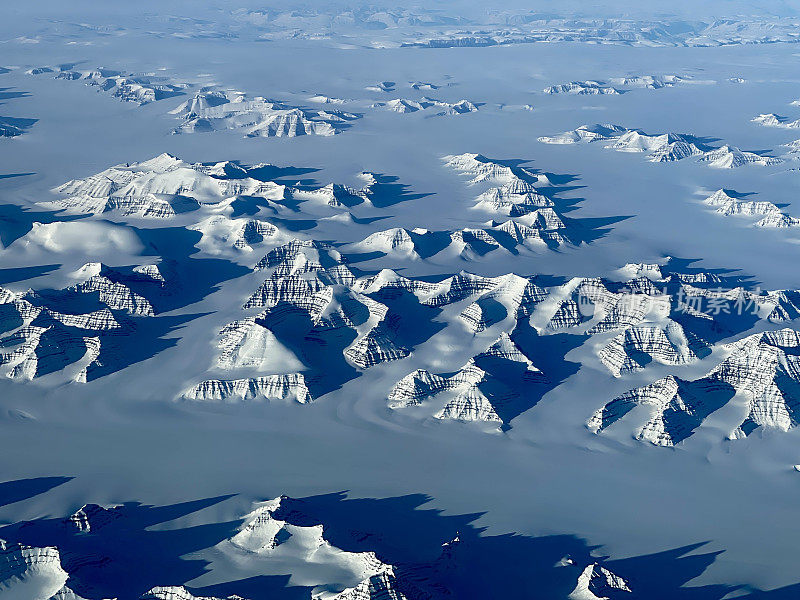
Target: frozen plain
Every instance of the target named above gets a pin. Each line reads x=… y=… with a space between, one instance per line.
x=127 y=436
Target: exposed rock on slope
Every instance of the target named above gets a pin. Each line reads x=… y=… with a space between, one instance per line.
x=288 y=388
x=602 y=88
x=773 y=120
x=640 y=345
x=404 y=106
x=478 y=390
x=763 y=369
x=179 y=593
x=161 y=187
x=527 y=214
x=311 y=277
x=596 y=583
x=30 y=571
x=276 y=530
x=90 y=517
x=222 y=233
x=653 y=82
x=730 y=157
x=666 y=147
x=546 y=230
x=139 y=89
x=582 y=88
x=729 y=203
x=39 y=337
x=211 y=110
x=514 y=28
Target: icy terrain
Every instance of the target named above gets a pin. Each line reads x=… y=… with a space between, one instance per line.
x=354 y=302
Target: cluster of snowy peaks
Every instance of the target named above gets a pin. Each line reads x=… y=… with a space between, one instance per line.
x=271 y=538
x=315 y=312
x=81 y=332
x=513 y=192
x=427 y=105
x=773 y=120
x=769 y=215
x=440 y=107
x=211 y=110
x=165 y=186
x=138 y=88
x=667 y=147
x=316 y=322
x=88 y=555
x=615 y=86
x=518 y=215
x=761 y=372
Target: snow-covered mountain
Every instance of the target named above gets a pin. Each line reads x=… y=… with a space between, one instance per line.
x=210 y=110
x=128 y=87
x=760 y=369
x=667 y=147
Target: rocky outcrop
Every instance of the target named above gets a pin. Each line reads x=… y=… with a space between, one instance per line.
x=667 y=147
x=161 y=187
x=773 y=120
x=179 y=593
x=598 y=583
x=211 y=110
x=90 y=517
x=731 y=157
x=762 y=369
x=582 y=88
x=639 y=345
x=269 y=388
x=277 y=522
x=478 y=390
x=404 y=106
x=128 y=87
x=37 y=571
x=37 y=339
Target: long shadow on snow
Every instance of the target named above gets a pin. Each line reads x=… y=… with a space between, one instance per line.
x=260 y=587
x=24 y=489
x=411 y=321
x=387 y=192
x=124 y=557
x=14 y=126
x=195 y=278
x=590 y=229
x=580 y=230
x=720 y=277
x=320 y=349
x=10 y=175
x=547 y=353
x=13 y=274
x=146 y=341
x=401 y=532
x=6 y=95
x=443 y=556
